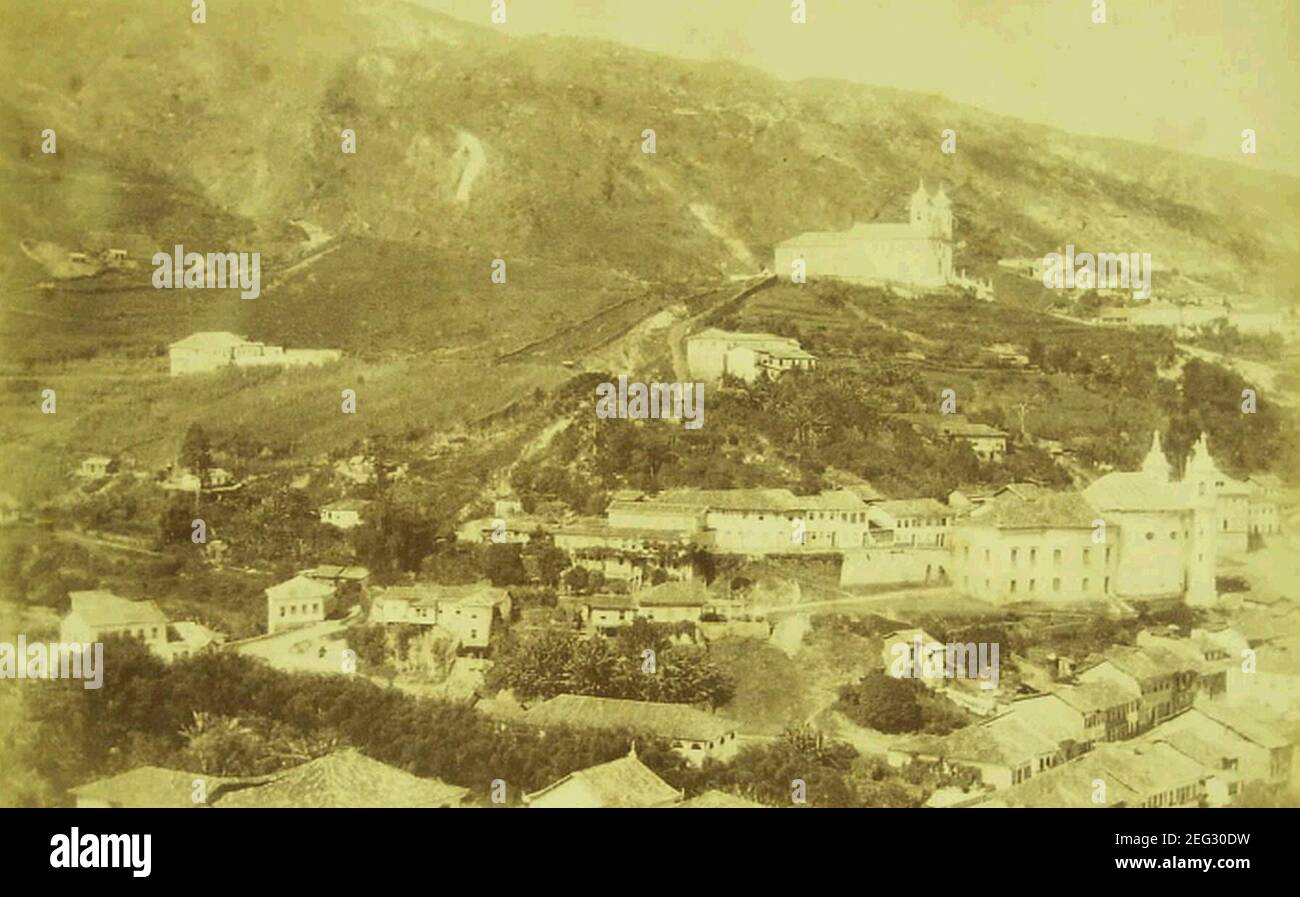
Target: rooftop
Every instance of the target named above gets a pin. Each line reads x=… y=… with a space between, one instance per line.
x=211 y=339
x=1051 y=510
x=347 y=778
x=298 y=588
x=915 y=507
x=625 y=783
x=1134 y=491
x=481 y=594
x=153 y=786
x=100 y=608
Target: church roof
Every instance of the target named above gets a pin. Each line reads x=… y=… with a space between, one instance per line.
x=1129 y=491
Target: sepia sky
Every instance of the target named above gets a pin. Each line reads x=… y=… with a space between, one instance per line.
x=1183 y=74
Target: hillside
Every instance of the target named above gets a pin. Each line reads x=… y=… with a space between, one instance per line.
x=473 y=146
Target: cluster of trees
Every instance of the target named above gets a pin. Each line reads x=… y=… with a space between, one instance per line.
x=641 y=663
x=224 y=711
x=894 y=706
x=801 y=770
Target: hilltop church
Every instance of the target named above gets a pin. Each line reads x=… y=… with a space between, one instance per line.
x=917 y=253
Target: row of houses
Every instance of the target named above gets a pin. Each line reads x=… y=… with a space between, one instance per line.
x=1150 y=691
x=1203 y=756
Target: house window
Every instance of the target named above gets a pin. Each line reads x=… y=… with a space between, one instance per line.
x=1085 y=583
x=1013 y=585
x=1087 y=555
x=1032 y=583
x=1015 y=553
x=1056 y=556
x=1033 y=555
x=282 y=611
x=1056 y=584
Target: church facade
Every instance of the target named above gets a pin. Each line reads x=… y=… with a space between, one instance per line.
x=917 y=253
x=1165 y=529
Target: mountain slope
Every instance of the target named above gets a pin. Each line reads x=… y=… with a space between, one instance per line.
x=473 y=146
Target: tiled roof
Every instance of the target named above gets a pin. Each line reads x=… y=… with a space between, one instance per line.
x=347 y=504
x=836 y=500
x=347 y=778
x=1008 y=743
x=479 y=594
x=1133 y=491
x=1146 y=769
x=1090 y=697
x=625 y=782
x=211 y=339
x=298 y=588
x=611 y=602
x=774 y=500
x=335 y=571
x=1150 y=662
x=603 y=530
x=1057 y=510
x=1245 y=722
x=675 y=721
x=154 y=787
x=915 y=507
x=100 y=608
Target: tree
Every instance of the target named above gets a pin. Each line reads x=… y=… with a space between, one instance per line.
x=175 y=523
x=196 y=451
x=882 y=702
x=504 y=566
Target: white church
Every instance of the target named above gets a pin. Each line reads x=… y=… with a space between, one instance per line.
x=917 y=253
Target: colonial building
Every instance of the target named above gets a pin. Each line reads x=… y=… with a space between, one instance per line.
x=1166 y=682
x=752 y=521
x=1165 y=531
x=1039 y=549
x=916 y=522
x=916 y=253
x=987 y=442
x=1264 y=501
x=712 y=353
x=212 y=350
x=466 y=611
x=346 y=513
x=95 y=614
x=298 y=602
